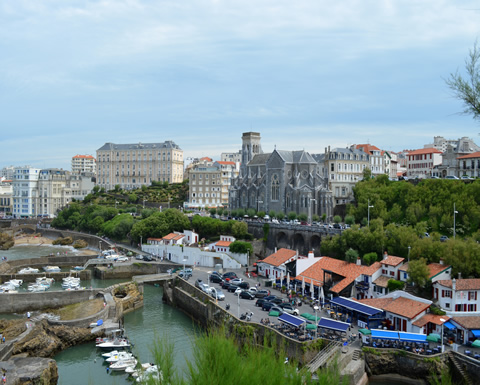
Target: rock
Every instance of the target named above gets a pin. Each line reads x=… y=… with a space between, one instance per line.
x=45 y=340
x=30 y=371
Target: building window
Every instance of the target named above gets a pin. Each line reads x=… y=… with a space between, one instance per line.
x=275 y=187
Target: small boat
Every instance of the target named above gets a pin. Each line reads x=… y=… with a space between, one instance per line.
x=114 y=343
x=44 y=280
x=111 y=354
x=51 y=269
x=28 y=270
x=122 y=356
x=148 y=372
x=78 y=268
x=15 y=282
x=122 y=365
x=95 y=324
x=37 y=288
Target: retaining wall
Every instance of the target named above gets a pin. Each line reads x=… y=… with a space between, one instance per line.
x=23 y=302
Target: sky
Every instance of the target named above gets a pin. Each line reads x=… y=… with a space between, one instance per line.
x=306 y=74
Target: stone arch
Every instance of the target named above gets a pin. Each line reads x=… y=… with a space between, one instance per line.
x=282 y=240
x=315 y=242
x=299 y=243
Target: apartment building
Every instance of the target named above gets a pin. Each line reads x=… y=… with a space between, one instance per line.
x=231 y=156
x=469 y=165
x=6 y=191
x=344 y=168
x=376 y=156
x=25 y=191
x=83 y=164
x=134 y=165
x=421 y=163
x=209 y=184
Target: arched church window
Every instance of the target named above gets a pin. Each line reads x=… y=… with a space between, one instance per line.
x=275 y=187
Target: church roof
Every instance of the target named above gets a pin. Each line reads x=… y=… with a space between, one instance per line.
x=296 y=156
x=259 y=160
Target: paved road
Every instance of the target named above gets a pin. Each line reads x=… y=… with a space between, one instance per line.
x=239 y=306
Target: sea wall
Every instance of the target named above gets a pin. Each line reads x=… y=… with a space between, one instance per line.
x=203 y=310
x=11 y=267
x=130 y=270
x=23 y=302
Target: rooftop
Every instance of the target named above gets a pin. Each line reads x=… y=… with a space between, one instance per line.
x=280 y=257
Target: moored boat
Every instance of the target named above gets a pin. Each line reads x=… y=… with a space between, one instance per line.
x=122 y=356
x=122 y=365
x=28 y=270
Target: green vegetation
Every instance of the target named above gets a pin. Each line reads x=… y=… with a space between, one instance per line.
x=220 y=359
x=393 y=285
x=241 y=247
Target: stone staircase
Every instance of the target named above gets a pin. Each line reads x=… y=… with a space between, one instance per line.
x=460 y=369
x=357 y=354
x=324 y=356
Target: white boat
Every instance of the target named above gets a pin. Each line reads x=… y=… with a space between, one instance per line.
x=149 y=372
x=111 y=354
x=28 y=270
x=122 y=365
x=78 y=268
x=44 y=280
x=37 y=288
x=15 y=282
x=122 y=356
x=51 y=269
x=116 y=343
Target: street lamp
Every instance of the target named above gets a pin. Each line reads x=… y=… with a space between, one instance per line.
x=442 y=320
x=184 y=267
x=409 y=253
x=316 y=322
x=454 y=212
x=368 y=213
x=116 y=203
x=144 y=200
x=310 y=211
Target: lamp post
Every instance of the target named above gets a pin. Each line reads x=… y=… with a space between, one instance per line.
x=258 y=204
x=454 y=212
x=316 y=321
x=116 y=203
x=100 y=246
x=409 y=253
x=184 y=260
x=141 y=242
x=443 y=321
x=144 y=200
x=368 y=213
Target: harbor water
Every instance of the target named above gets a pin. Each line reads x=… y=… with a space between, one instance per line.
x=83 y=364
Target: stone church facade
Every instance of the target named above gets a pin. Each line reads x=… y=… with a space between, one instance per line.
x=282 y=181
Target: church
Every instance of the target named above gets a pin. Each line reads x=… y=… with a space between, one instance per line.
x=282 y=181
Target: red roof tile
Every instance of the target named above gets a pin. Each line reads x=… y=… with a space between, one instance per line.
x=425 y=151
x=173 y=236
x=382 y=281
x=436 y=268
x=368 y=148
x=462 y=284
x=223 y=243
x=392 y=261
x=401 y=306
x=468 y=322
x=225 y=162
x=472 y=155
x=83 y=157
x=280 y=257
x=432 y=318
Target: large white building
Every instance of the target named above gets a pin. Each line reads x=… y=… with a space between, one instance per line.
x=6 y=191
x=134 y=165
x=83 y=163
x=25 y=191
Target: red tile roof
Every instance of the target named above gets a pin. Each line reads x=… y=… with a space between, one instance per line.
x=173 y=236
x=436 y=268
x=368 y=148
x=280 y=257
x=401 y=306
x=83 y=157
x=425 y=151
x=382 y=281
x=225 y=162
x=432 y=318
x=350 y=271
x=392 y=261
x=223 y=243
x=462 y=284
x=472 y=155
x=468 y=322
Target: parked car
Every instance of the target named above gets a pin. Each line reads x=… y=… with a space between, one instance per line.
x=198 y=282
x=236 y=281
x=443 y=238
x=262 y=293
x=238 y=291
x=225 y=285
x=246 y=295
x=215 y=278
x=277 y=308
x=184 y=274
x=287 y=308
x=229 y=275
x=147 y=257
x=252 y=290
x=232 y=288
x=260 y=302
x=266 y=306
x=451 y=177
x=277 y=300
x=244 y=285
x=121 y=258
x=218 y=293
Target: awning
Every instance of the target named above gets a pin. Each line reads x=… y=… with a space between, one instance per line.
x=412 y=337
x=385 y=334
x=476 y=344
x=350 y=304
x=434 y=337
x=273 y=313
x=291 y=320
x=449 y=325
x=475 y=332
x=333 y=325
x=366 y=332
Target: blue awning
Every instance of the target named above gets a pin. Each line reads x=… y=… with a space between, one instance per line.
x=385 y=334
x=334 y=325
x=291 y=320
x=413 y=337
x=475 y=332
x=353 y=305
x=449 y=325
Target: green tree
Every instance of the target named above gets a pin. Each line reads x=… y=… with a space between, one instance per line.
x=418 y=272
x=212 y=211
x=96 y=189
x=315 y=218
x=261 y=214
x=272 y=214
x=241 y=247
x=393 y=285
x=349 y=220
x=351 y=255
x=292 y=215
x=324 y=217
x=467 y=89
x=337 y=219
x=367 y=173
x=281 y=215
x=117 y=188
x=303 y=217
x=369 y=258
x=251 y=213
x=132 y=198
x=239 y=229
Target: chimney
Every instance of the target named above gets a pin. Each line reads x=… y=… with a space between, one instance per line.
x=359 y=261
x=454 y=284
x=385 y=255
x=459 y=275
x=275 y=249
x=310 y=255
x=441 y=261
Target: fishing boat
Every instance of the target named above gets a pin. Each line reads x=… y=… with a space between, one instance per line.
x=122 y=365
x=116 y=343
x=28 y=270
